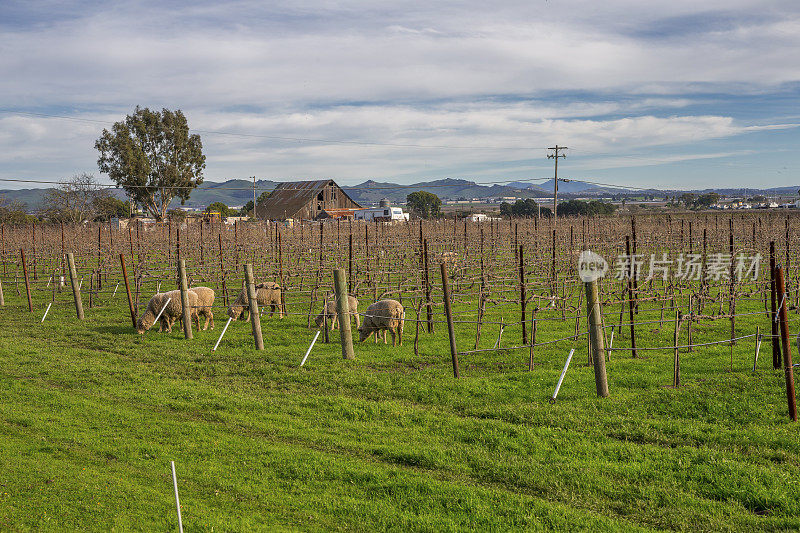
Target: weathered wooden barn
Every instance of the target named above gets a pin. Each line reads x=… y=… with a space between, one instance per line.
x=304 y=200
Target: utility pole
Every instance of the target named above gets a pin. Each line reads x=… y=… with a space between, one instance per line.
x=254 y=197
x=555 y=155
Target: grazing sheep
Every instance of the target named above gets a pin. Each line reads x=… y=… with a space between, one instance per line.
x=205 y=303
x=332 y=312
x=173 y=311
x=267 y=294
x=381 y=316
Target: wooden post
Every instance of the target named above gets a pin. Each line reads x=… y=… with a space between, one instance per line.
x=255 y=319
x=689 y=324
x=787 y=354
x=27 y=284
x=127 y=289
x=187 y=312
x=449 y=312
x=631 y=295
x=676 y=362
x=553 y=267
x=222 y=272
x=343 y=310
x=596 y=338
x=99 y=258
x=325 y=337
x=634 y=269
x=76 y=290
x=522 y=295
x=3 y=240
x=350 y=260
x=428 y=303
x=533 y=337
x=773 y=322
x=732 y=286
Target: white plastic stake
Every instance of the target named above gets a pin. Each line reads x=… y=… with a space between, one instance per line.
x=115 y=290
x=563 y=373
x=46 y=311
x=758 y=349
x=49 y=280
x=80 y=284
x=158 y=287
x=177 y=500
x=499 y=335
x=309 y=348
x=228 y=323
x=162 y=310
x=611 y=341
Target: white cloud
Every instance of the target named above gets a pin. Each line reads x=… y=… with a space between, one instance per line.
x=515 y=75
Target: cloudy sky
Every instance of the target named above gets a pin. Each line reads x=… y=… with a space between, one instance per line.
x=672 y=94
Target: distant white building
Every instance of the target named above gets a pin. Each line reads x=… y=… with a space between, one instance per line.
x=381 y=214
x=478 y=217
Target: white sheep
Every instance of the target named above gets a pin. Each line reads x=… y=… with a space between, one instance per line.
x=205 y=304
x=173 y=311
x=267 y=294
x=383 y=315
x=332 y=312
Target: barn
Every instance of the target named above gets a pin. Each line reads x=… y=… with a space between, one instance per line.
x=304 y=200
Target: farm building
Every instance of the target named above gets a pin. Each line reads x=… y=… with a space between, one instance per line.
x=304 y=200
x=383 y=213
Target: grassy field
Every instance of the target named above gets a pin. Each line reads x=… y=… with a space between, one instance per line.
x=91 y=414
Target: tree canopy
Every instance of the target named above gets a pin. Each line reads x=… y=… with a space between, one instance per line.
x=523 y=209
x=248 y=207
x=12 y=211
x=580 y=207
x=424 y=204
x=222 y=209
x=152 y=156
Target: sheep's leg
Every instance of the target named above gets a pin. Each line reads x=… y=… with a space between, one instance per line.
x=335 y=324
x=358 y=319
x=400 y=334
x=394 y=342
x=384 y=337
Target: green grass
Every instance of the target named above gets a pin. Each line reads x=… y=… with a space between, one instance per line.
x=91 y=414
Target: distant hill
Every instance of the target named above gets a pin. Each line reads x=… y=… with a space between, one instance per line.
x=372 y=191
x=237 y=192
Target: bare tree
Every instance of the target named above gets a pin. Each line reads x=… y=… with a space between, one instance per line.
x=74 y=201
x=12 y=211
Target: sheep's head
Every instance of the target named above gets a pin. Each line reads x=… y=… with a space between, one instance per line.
x=144 y=323
x=320 y=320
x=362 y=334
x=235 y=311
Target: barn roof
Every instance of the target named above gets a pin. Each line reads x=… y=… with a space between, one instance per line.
x=290 y=197
x=339 y=212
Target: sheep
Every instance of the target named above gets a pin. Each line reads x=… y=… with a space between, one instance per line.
x=332 y=312
x=267 y=293
x=173 y=311
x=205 y=303
x=381 y=316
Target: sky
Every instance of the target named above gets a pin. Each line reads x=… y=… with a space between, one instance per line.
x=677 y=94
